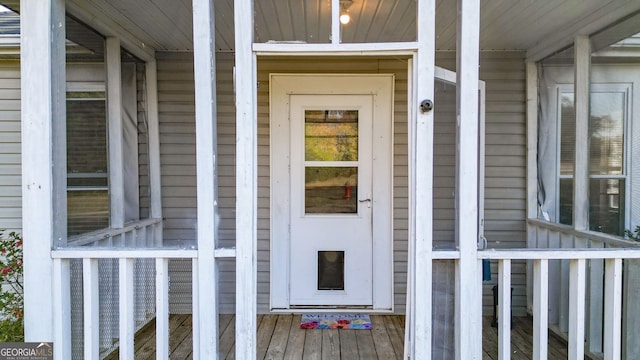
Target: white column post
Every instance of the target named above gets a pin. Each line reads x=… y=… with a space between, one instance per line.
x=44 y=166
x=114 y=119
x=419 y=325
x=582 y=58
x=206 y=150
x=153 y=129
x=532 y=168
x=468 y=274
x=246 y=182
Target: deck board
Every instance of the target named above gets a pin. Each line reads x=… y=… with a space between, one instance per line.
x=280 y=337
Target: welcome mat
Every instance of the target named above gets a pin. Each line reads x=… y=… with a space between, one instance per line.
x=336 y=321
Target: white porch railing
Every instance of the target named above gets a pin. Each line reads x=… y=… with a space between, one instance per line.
x=584 y=297
x=117 y=268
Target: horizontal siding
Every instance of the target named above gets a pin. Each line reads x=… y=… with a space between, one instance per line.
x=505 y=162
x=10 y=169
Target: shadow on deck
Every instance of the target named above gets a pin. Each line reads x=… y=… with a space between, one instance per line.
x=280 y=337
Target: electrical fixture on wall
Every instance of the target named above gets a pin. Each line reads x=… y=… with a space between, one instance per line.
x=345 y=18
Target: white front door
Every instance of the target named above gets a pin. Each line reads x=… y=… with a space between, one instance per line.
x=331 y=200
x=331 y=191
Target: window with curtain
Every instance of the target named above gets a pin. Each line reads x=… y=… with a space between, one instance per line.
x=607 y=147
x=87 y=170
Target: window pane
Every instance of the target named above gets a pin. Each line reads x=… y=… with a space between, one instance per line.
x=567 y=134
x=87 y=211
x=331 y=135
x=607 y=129
x=86 y=136
x=606 y=205
x=331 y=190
x=566 y=202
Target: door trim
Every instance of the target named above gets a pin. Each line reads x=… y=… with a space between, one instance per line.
x=381 y=87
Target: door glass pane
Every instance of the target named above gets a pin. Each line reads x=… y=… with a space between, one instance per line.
x=606 y=205
x=607 y=124
x=330 y=270
x=331 y=135
x=330 y=190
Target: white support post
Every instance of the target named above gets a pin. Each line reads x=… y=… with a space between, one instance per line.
x=126 y=308
x=336 y=35
x=44 y=166
x=195 y=303
x=162 y=309
x=206 y=150
x=468 y=274
x=419 y=327
x=540 y=309
x=91 y=309
x=62 y=317
x=612 y=309
x=246 y=182
x=114 y=120
x=153 y=130
x=577 y=292
x=532 y=166
x=582 y=48
x=504 y=318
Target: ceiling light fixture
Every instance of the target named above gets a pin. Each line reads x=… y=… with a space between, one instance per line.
x=345 y=18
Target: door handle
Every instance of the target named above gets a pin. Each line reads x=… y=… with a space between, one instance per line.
x=368 y=201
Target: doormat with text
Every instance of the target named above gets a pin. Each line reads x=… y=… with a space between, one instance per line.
x=336 y=321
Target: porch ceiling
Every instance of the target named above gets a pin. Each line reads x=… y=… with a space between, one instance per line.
x=538 y=26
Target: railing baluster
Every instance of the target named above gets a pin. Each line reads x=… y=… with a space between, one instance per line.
x=195 y=309
x=62 y=302
x=91 y=308
x=126 y=310
x=540 y=308
x=577 y=291
x=162 y=309
x=612 y=309
x=504 y=319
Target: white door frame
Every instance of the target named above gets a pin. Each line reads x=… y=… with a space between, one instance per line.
x=381 y=87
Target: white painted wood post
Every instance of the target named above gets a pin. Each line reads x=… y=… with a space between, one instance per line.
x=62 y=316
x=540 y=308
x=246 y=182
x=582 y=68
x=114 y=120
x=532 y=167
x=336 y=34
x=44 y=167
x=206 y=151
x=577 y=292
x=162 y=309
x=613 y=309
x=91 y=308
x=126 y=308
x=419 y=327
x=153 y=130
x=504 y=301
x=469 y=272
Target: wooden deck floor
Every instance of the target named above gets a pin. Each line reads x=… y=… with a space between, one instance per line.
x=279 y=337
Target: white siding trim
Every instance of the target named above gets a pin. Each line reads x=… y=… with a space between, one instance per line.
x=205 y=299
x=246 y=182
x=151 y=77
x=468 y=274
x=43 y=160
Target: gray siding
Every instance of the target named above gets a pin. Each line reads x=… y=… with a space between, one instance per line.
x=505 y=163
x=10 y=170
